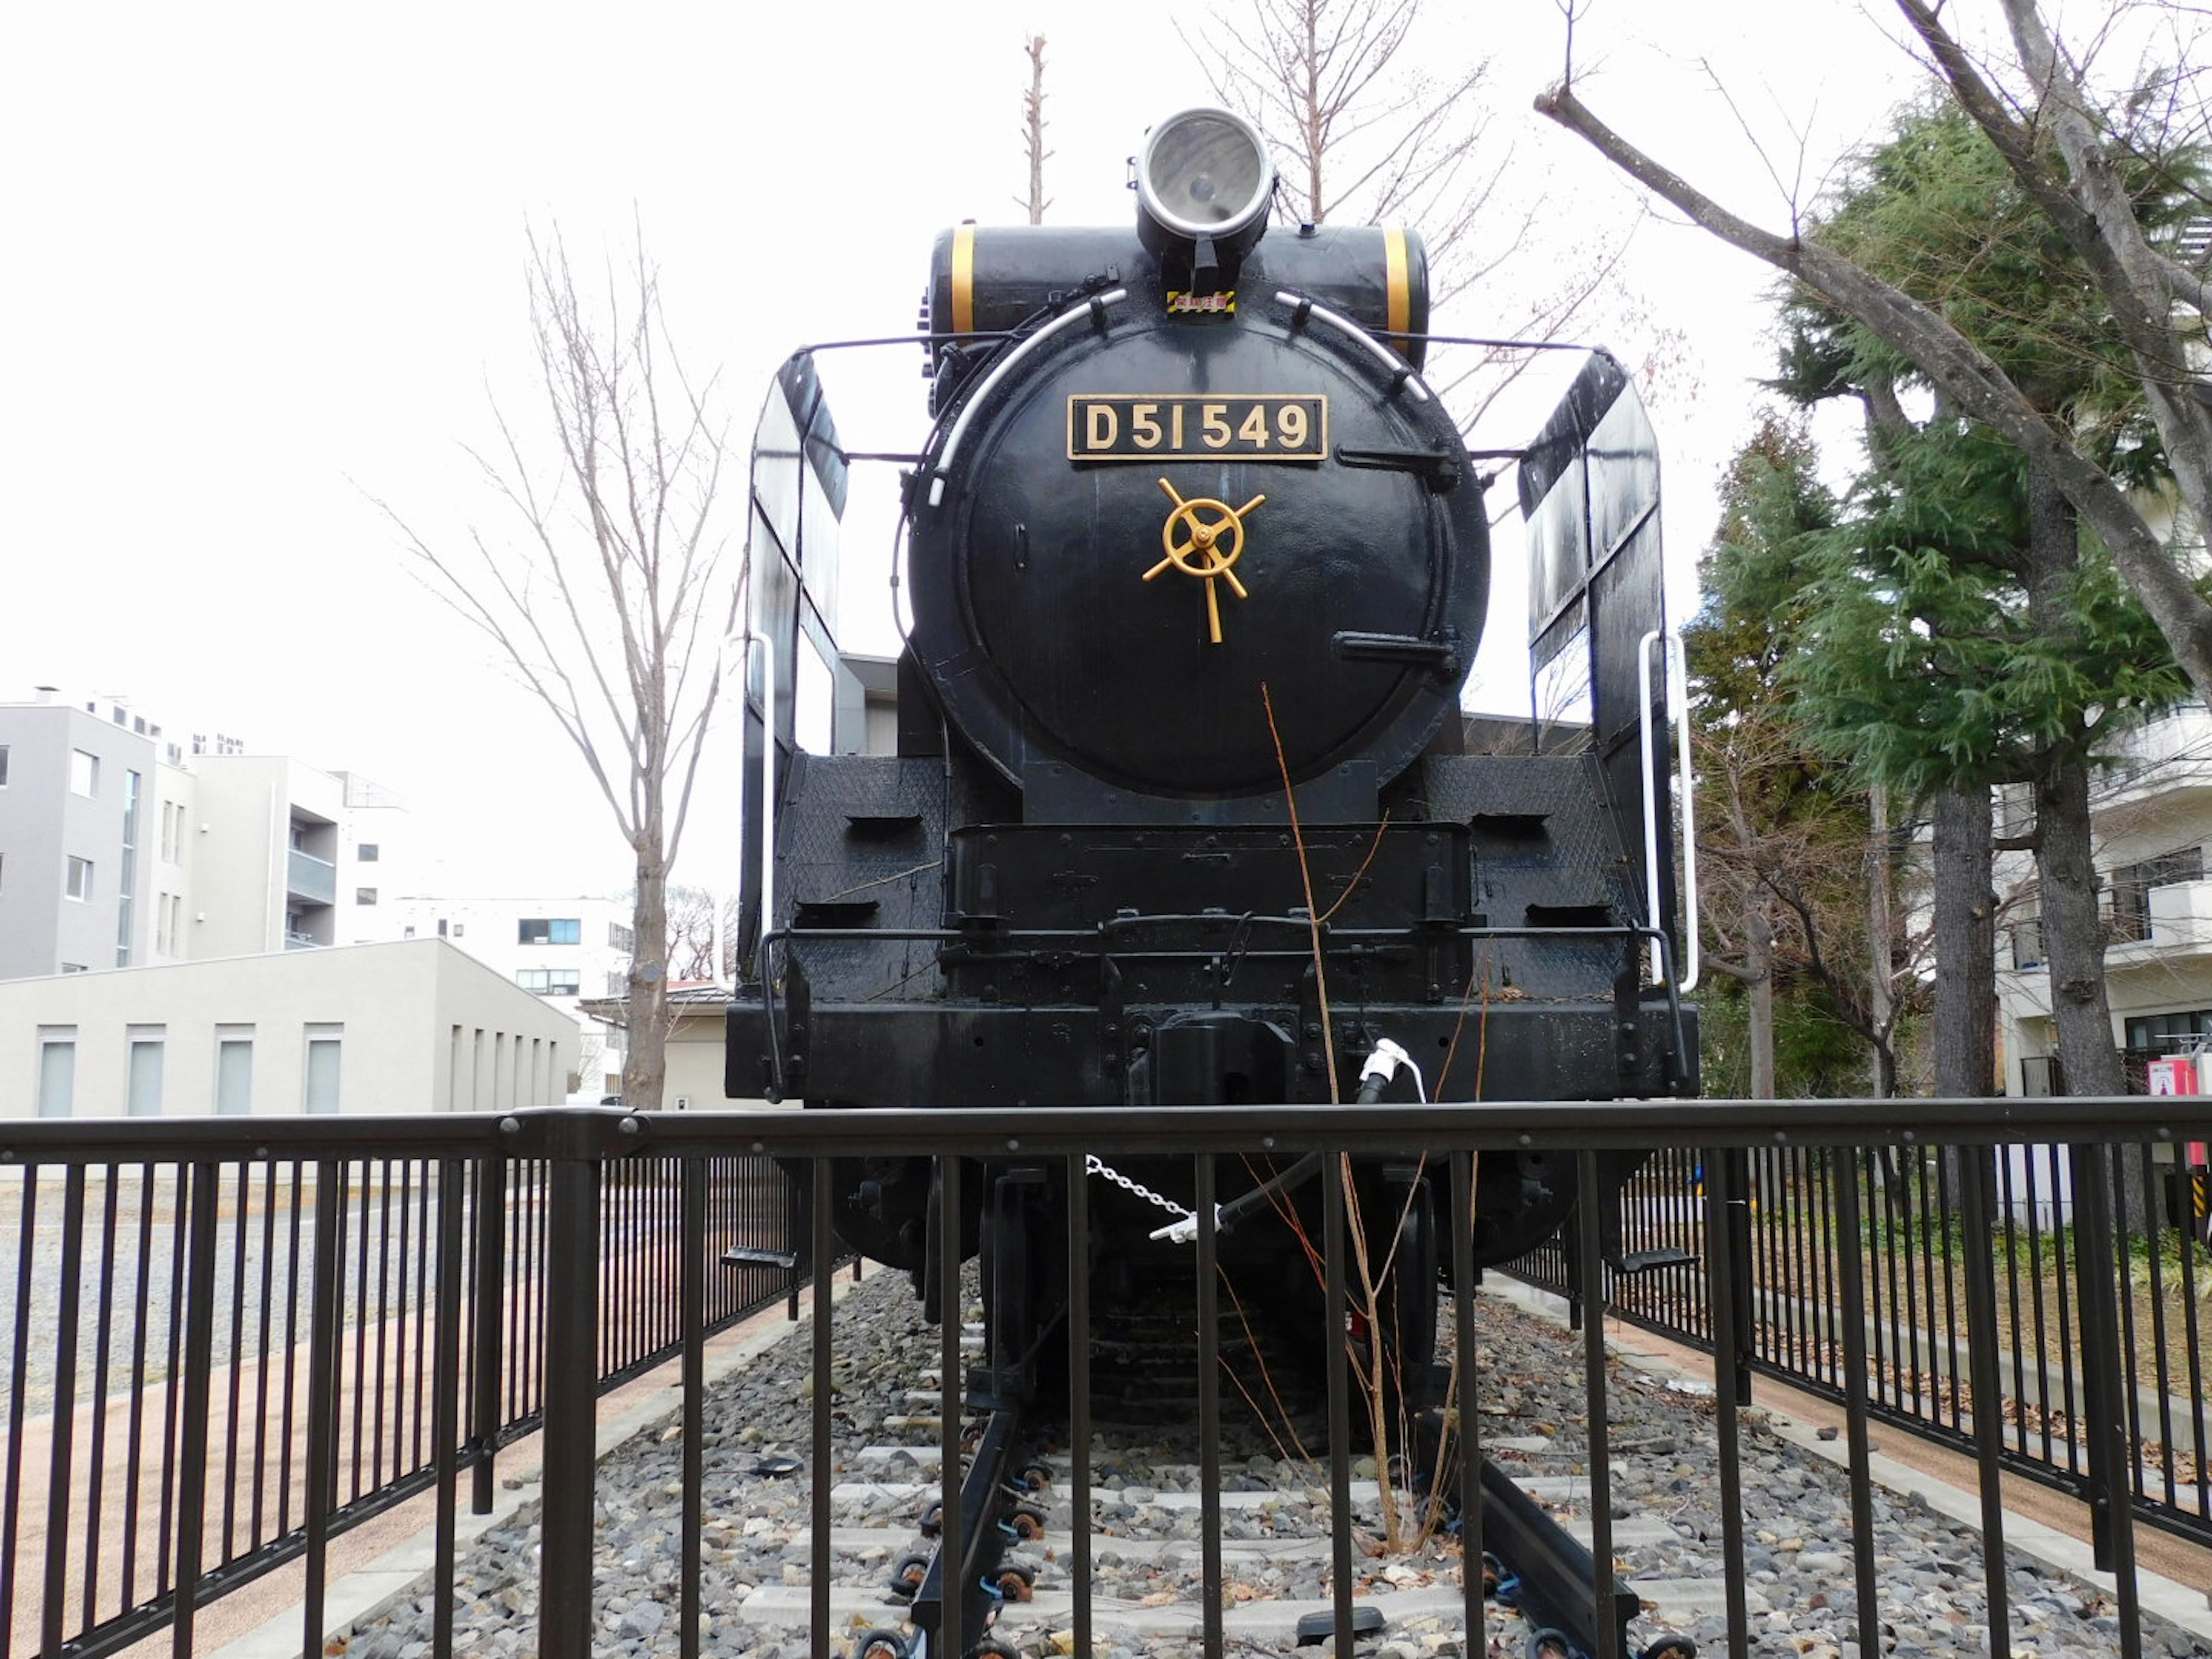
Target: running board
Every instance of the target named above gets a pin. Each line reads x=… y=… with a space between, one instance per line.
x=1556 y=1573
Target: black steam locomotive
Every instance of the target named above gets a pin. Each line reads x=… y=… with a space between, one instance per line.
x=1197 y=563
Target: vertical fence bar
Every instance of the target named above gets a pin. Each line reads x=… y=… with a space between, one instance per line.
x=1725 y=1287
x=446 y=1399
x=2112 y=1520
x=1850 y=1264
x=61 y=1450
x=19 y=1357
x=1589 y=1247
x=951 y=1227
x=488 y=1361
x=1974 y=1185
x=821 y=1254
x=1740 y=1326
x=104 y=1351
x=1078 y=1390
x=571 y=1318
x=693 y=1267
x=322 y=1399
x=1470 y=1434
x=1209 y=1406
x=199 y=1357
x=1340 y=1402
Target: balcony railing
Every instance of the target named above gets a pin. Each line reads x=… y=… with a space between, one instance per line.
x=310 y=878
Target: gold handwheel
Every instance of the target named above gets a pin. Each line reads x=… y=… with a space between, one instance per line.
x=1214 y=544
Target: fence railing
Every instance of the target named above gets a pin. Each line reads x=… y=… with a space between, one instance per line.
x=228 y=1343
x=230 y=1340
x=1911 y=1310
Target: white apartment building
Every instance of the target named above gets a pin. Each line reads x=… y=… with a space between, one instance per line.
x=415 y=1026
x=123 y=846
x=567 y=950
x=2152 y=814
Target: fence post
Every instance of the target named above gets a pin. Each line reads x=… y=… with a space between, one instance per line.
x=575 y=1143
x=2112 y=1492
x=1737 y=1341
x=489 y=1360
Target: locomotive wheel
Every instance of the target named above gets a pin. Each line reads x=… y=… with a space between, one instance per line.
x=1034 y=1477
x=906 y=1578
x=1027 y=1523
x=879 y=1645
x=1017 y=1581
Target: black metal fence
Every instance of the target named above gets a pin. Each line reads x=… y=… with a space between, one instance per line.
x=229 y=1343
x=1935 y=1218
x=230 y=1340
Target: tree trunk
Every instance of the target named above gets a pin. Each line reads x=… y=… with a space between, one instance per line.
x=645 y=1063
x=1759 y=999
x=1966 y=946
x=1879 y=905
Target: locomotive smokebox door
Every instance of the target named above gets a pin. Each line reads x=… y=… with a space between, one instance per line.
x=1192 y=471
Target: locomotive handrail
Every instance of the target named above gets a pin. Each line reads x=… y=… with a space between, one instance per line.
x=968 y=406
x=1675 y=666
x=1401 y=371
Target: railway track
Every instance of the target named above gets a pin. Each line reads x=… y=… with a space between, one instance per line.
x=1148 y=1555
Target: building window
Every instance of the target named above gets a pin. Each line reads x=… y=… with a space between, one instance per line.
x=366 y=852
x=80 y=879
x=618 y=981
x=407 y=931
x=3 y=766
x=127 y=885
x=551 y=982
x=84 y=773
x=549 y=929
x=57 y=1069
x=143 y=1080
x=234 y=1070
x=320 y=1083
x=74 y=968
x=2159 y=1034
x=441 y=928
x=620 y=937
x=364 y=896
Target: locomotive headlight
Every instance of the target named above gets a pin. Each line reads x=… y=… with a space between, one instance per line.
x=1204 y=183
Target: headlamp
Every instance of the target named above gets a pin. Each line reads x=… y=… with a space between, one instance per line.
x=1203 y=184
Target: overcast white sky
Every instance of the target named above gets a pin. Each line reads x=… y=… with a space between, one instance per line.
x=266 y=258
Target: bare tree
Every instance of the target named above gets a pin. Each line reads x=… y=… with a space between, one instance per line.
x=1368 y=133
x=691 y=924
x=1033 y=128
x=606 y=594
x=2050 y=124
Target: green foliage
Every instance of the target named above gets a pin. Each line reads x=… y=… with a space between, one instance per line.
x=1927 y=667
x=1926 y=663
x=1937 y=211
x=1818 y=1054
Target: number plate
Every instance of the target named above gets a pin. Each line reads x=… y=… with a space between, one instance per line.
x=1135 y=427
